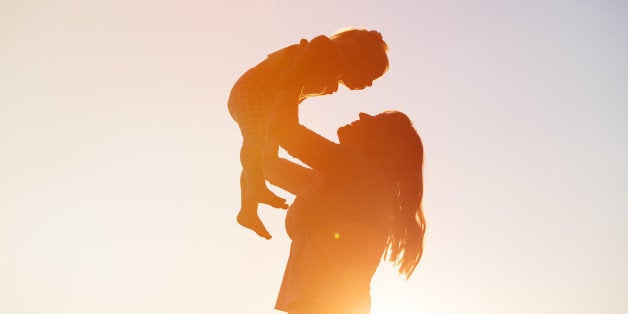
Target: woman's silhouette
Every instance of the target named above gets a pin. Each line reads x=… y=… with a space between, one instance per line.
x=358 y=199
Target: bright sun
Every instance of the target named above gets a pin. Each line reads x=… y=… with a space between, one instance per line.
x=391 y=294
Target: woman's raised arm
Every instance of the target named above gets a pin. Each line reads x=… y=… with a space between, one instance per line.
x=288 y=175
x=314 y=150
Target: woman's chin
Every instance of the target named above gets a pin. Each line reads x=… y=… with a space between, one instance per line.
x=342 y=133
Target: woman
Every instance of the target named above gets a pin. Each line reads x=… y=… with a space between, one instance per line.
x=359 y=199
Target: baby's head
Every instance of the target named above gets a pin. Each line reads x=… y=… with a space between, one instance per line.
x=366 y=56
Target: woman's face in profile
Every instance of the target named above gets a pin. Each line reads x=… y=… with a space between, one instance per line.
x=358 y=131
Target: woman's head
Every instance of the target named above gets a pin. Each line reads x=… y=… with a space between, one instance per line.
x=385 y=136
x=366 y=54
x=391 y=140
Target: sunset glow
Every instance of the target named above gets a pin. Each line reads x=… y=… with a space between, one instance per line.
x=119 y=162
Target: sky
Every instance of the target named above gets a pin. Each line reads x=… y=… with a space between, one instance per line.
x=119 y=161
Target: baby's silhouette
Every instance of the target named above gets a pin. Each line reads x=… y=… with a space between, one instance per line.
x=353 y=57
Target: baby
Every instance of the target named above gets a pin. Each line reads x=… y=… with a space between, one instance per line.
x=352 y=57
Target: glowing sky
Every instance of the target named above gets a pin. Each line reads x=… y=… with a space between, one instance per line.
x=119 y=162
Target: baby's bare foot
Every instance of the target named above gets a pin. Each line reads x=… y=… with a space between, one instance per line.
x=266 y=196
x=252 y=221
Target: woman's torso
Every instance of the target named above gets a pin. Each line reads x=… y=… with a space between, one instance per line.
x=339 y=234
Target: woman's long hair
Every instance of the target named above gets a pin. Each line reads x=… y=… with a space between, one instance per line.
x=400 y=153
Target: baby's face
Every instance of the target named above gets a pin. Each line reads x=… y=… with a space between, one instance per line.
x=360 y=73
x=356 y=84
x=355 y=79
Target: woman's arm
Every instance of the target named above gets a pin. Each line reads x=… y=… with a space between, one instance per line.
x=288 y=175
x=321 y=154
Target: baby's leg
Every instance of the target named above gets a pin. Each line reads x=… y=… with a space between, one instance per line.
x=247 y=217
x=252 y=159
x=249 y=104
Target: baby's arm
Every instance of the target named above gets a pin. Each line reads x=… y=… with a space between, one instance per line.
x=335 y=160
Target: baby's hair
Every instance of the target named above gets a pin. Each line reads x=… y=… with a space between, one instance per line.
x=366 y=49
x=356 y=39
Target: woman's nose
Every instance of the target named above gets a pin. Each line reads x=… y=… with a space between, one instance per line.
x=363 y=115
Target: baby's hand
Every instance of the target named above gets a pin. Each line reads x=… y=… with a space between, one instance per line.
x=331 y=81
